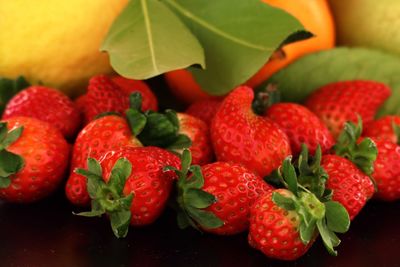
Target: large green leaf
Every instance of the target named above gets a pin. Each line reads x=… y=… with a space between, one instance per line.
x=238 y=37
x=147 y=39
x=299 y=79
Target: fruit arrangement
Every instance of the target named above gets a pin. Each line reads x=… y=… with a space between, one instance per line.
x=285 y=167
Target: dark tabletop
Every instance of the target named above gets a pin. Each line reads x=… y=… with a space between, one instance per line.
x=48 y=234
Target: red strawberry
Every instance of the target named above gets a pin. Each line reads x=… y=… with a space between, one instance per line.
x=239 y=135
x=99 y=136
x=32 y=163
x=103 y=95
x=387 y=170
x=129 y=86
x=339 y=102
x=285 y=222
x=301 y=126
x=383 y=129
x=48 y=105
x=204 y=109
x=217 y=196
x=136 y=188
x=199 y=134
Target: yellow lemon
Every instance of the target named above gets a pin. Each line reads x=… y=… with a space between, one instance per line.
x=55 y=42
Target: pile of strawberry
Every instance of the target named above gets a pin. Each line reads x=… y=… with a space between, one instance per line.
x=286 y=174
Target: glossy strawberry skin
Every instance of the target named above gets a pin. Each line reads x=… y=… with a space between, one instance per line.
x=351 y=187
x=148 y=182
x=48 y=105
x=128 y=86
x=204 y=109
x=241 y=136
x=339 y=102
x=199 y=133
x=99 y=136
x=274 y=231
x=45 y=153
x=382 y=129
x=387 y=170
x=103 y=95
x=301 y=126
x=235 y=188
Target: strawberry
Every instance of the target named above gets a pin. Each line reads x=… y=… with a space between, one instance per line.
x=348 y=170
x=96 y=138
x=216 y=197
x=204 y=109
x=239 y=135
x=102 y=96
x=129 y=185
x=301 y=126
x=385 y=128
x=339 y=102
x=285 y=222
x=33 y=158
x=198 y=132
x=129 y=86
x=45 y=104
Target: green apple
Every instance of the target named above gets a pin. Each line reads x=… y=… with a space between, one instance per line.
x=368 y=23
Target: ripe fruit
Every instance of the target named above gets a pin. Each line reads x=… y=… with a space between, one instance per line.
x=48 y=105
x=384 y=129
x=129 y=86
x=216 y=197
x=339 y=102
x=99 y=136
x=314 y=15
x=301 y=126
x=199 y=134
x=204 y=109
x=241 y=136
x=380 y=30
x=135 y=188
x=32 y=162
x=285 y=222
x=63 y=39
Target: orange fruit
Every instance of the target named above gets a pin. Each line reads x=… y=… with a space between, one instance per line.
x=316 y=17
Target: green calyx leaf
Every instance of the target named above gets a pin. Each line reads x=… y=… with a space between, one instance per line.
x=191 y=199
x=396 y=130
x=9 y=88
x=108 y=198
x=10 y=163
x=362 y=154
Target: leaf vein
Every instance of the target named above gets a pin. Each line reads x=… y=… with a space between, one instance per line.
x=149 y=34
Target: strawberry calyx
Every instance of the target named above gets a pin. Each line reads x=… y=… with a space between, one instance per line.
x=108 y=198
x=311 y=200
x=10 y=163
x=363 y=154
x=191 y=199
x=265 y=97
x=396 y=130
x=9 y=88
x=154 y=128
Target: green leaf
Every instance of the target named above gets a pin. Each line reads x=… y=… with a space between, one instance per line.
x=283 y=202
x=181 y=141
x=183 y=220
x=197 y=179
x=186 y=161
x=307 y=231
x=3 y=131
x=11 y=137
x=5 y=182
x=326 y=237
x=206 y=219
x=135 y=101
x=337 y=217
x=119 y=174
x=94 y=167
x=147 y=39
x=289 y=175
x=198 y=198
x=9 y=88
x=120 y=223
x=136 y=120
x=159 y=130
x=10 y=163
x=238 y=37
x=310 y=72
